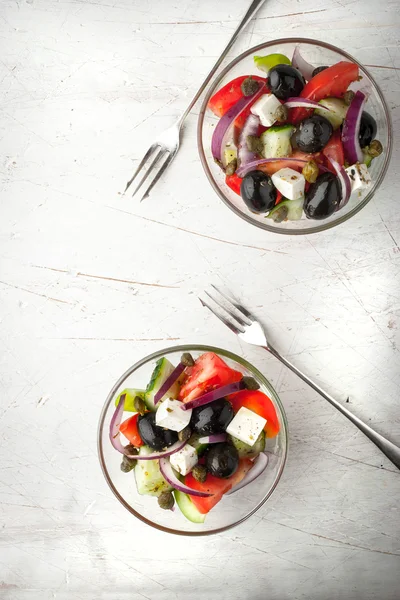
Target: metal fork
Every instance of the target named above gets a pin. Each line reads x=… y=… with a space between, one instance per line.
x=166 y=146
x=245 y=325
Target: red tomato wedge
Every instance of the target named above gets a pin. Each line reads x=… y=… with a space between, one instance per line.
x=234 y=182
x=334 y=148
x=129 y=429
x=259 y=403
x=334 y=81
x=208 y=373
x=218 y=487
x=228 y=95
x=277 y=165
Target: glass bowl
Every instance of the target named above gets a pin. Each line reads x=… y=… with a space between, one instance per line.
x=231 y=510
x=318 y=54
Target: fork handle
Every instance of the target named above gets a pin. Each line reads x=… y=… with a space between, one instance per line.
x=253 y=8
x=388 y=448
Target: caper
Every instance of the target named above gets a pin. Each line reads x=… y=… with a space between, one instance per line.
x=127 y=464
x=310 y=171
x=249 y=86
x=281 y=113
x=254 y=144
x=187 y=359
x=199 y=472
x=131 y=449
x=166 y=500
x=185 y=434
x=279 y=214
x=375 y=148
x=250 y=383
x=348 y=97
x=139 y=405
x=231 y=168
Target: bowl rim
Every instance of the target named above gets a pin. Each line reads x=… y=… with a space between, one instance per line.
x=322 y=226
x=159 y=354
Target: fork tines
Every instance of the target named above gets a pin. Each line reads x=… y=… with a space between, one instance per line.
x=239 y=317
x=161 y=153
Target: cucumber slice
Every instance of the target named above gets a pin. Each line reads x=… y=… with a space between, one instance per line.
x=130 y=395
x=194 y=441
x=336 y=113
x=287 y=210
x=187 y=507
x=162 y=371
x=265 y=63
x=276 y=141
x=149 y=481
x=246 y=451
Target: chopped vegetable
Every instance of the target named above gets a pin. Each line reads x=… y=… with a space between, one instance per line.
x=265 y=63
x=310 y=171
x=351 y=129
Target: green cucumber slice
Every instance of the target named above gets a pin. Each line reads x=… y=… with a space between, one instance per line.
x=246 y=451
x=130 y=395
x=336 y=113
x=149 y=481
x=276 y=141
x=187 y=507
x=287 y=210
x=162 y=371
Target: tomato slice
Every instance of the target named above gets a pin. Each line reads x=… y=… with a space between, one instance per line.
x=277 y=165
x=259 y=403
x=333 y=81
x=129 y=429
x=218 y=487
x=228 y=95
x=334 y=148
x=208 y=373
x=234 y=182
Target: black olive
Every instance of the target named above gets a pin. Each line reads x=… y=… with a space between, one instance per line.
x=323 y=197
x=222 y=460
x=212 y=418
x=313 y=134
x=154 y=436
x=318 y=70
x=258 y=191
x=285 y=81
x=367 y=129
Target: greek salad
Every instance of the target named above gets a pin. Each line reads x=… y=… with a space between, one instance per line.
x=295 y=139
x=197 y=433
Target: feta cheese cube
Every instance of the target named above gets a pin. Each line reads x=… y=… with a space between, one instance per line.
x=360 y=177
x=290 y=183
x=246 y=426
x=184 y=460
x=265 y=109
x=171 y=415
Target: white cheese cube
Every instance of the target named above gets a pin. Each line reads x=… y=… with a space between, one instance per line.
x=265 y=109
x=360 y=177
x=171 y=415
x=184 y=460
x=246 y=426
x=290 y=183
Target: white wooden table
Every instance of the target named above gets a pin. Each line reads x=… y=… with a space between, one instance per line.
x=90 y=282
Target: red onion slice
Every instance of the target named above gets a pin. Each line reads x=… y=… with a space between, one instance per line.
x=259 y=466
x=115 y=423
x=304 y=103
x=242 y=171
x=216 y=438
x=345 y=183
x=231 y=388
x=250 y=128
x=158 y=455
x=224 y=128
x=351 y=129
x=298 y=62
x=169 y=382
x=169 y=475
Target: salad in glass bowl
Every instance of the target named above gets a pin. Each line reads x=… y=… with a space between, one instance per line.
x=294 y=141
x=203 y=429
